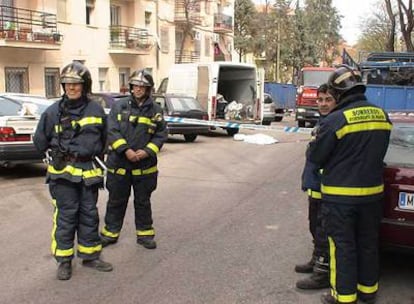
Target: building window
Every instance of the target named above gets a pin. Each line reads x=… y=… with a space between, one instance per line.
x=123 y=79
x=52 y=84
x=17 y=80
x=197 y=47
x=90 y=6
x=61 y=11
x=147 y=18
x=179 y=36
x=115 y=15
x=103 y=79
x=207 y=43
x=165 y=40
x=208 y=7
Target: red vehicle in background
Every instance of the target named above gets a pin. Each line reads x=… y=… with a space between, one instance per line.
x=309 y=79
x=397 y=228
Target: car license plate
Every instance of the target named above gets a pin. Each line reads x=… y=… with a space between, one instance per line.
x=406 y=201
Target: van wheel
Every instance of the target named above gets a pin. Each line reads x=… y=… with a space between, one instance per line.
x=190 y=137
x=266 y=122
x=232 y=131
x=301 y=123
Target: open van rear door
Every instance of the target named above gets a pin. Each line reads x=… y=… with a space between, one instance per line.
x=203 y=85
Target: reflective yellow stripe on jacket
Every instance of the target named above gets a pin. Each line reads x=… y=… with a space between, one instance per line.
x=87 y=121
x=136 y=172
x=138 y=119
x=117 y=143
x=153 y=147
x=352 y=191
x=314 y=194
x=91 y=120
x=364 y=126
x=71 y=170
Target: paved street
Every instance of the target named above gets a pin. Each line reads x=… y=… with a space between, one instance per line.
x=231 y=223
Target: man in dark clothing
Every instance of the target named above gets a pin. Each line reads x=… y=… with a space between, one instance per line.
x=137 y=131
x=350 y=146
x=311 y=182
x=72 y=132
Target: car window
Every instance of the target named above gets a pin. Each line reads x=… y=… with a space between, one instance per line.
x=401 y=147
x=100 y=100
x=9 y=107
x=30 y=105
x=25 y=105
x=185 y=104
x=160 y=101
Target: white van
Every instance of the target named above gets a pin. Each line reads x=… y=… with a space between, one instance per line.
x=230 y=92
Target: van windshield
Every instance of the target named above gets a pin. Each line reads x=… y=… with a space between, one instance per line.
x=315 y=78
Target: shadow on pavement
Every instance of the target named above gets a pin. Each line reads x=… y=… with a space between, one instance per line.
x=23 y=171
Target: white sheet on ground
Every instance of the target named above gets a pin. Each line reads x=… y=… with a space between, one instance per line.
x=258 y=139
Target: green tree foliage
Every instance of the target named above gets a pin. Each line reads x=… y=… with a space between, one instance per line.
x=286 y=36
x=322 y=23
x=244 y=31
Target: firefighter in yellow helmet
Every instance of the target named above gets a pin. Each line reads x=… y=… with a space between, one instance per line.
x=73 y=131
x=136 y=133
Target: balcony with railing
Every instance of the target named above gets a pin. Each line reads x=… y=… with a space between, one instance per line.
x=127 y=39
x=187 y=11
x=223 y=23
x=28 y=28
x=186 y=56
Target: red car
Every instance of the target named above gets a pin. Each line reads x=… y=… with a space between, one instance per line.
x=397 y=228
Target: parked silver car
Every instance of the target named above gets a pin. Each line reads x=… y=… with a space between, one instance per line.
x=19 y=116
x=269 y=110
x=272 y=111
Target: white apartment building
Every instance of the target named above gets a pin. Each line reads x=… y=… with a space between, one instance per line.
x=111 y=37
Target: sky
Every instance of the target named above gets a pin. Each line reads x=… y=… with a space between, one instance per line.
x=352 y=12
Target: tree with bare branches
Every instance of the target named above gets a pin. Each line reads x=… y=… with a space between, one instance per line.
x=405 y=14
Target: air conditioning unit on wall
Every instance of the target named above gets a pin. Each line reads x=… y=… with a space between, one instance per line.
x=197 y=35
x=216 y=37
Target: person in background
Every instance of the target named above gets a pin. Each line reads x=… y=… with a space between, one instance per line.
x=350 y=146
x=136 y=133
x=72 y=132
x=311 y=182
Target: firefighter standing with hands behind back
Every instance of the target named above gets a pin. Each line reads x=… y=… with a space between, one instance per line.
x=311 y=182
x=350 y=146
x=137 y=131
x=73 y=131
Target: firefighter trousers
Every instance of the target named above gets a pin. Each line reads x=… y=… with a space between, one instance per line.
x=75 y=212
x=320 y=239
x=353 y=247
x=119 y=187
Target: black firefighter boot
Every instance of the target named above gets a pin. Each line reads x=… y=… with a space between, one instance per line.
x=64 y=271
x=327 y=298
x=315 y=281
x=319 y=278
x=97 y=264
x=106 y=241
x=307 y=267
x=147 y=242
